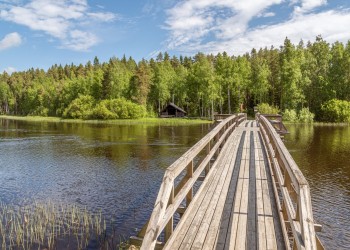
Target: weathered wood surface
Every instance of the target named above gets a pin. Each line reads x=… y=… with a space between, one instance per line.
x=294 y=193
x=171 y=193
x=246 y=199
x=235 y=203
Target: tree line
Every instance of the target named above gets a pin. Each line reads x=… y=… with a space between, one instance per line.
x=315 y=75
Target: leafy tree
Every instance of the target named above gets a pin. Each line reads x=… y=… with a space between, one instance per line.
x=5 y=98
x=81 y=107
x=140 y=84
x=291 y=77
x=318 y=58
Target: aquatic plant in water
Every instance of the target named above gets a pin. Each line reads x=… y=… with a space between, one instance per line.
x=50 y=226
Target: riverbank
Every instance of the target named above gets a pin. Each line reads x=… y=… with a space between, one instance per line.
x=149 y=121
x=325 y=124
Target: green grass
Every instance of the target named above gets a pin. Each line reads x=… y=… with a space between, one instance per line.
x=150 y=121
x=317 y=123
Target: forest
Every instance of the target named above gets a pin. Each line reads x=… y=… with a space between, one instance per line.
x=311 y=79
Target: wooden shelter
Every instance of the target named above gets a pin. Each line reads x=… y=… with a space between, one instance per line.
x=171 y=110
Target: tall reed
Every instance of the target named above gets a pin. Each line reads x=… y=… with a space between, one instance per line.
x=50 y=226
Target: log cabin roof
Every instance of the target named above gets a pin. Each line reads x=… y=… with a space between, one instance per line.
x=175 y=107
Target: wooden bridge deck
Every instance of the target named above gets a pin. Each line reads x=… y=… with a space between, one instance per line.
x=235 y=208
x=251 y=194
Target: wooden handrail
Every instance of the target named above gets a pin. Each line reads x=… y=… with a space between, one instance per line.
x=294 y=198
x=172 y=194
x=219 y=117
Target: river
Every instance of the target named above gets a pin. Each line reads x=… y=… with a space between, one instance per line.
x=322 y=152
x=113 y=168
x=118 y=168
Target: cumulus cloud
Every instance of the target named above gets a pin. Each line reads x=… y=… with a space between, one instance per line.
x=190 y=21
x=57 y=19
x=80 y=40
x=222 y=25
x=308 y=5
x=10 y=40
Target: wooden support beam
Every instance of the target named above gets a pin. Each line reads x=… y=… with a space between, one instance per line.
x=170 y=226
x=189 y=174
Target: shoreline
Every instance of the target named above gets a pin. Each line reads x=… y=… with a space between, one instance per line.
x=144 y=121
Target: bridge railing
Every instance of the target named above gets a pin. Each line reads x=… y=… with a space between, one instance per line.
x=220 y=117
x=292 y=192
x=179 y=179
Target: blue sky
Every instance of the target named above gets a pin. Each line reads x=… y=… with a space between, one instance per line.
x=40 y=33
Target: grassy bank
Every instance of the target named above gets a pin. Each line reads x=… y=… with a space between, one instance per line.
x=150 y=121
x=329 y=124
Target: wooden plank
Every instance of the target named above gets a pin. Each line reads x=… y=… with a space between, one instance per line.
x=220 y=191
x=181 y=229
x=185 y=189
x=170 y=225
x=158 y=212
x=280 y=231
x=212 y=234
x=243 y=209
x=185 y=222
x=196 y=223
x=251 y=222
x=259 y=202
x=233 y=233
x=288 y=209
x=260 y=211
x=180 y=164
x=243 y=216
x=227 y=213
x=269 y=224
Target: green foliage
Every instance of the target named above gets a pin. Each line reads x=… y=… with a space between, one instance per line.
x=80 y=108
x=265 y=108
x=290 y=115
x=336 y=111
x=118 y=109
x=306 y=116
x=286 y=78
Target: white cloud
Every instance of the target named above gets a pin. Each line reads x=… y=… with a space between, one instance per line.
x=10 y=70
x=215 y=26
x=309 y=5
x=191 y=20
x=10 y=40
x=103 y=16
x=57 y=19
x=80 y=40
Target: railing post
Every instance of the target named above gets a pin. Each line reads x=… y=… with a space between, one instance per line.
x=207 y=168
x=170 y=226
x=189 y=174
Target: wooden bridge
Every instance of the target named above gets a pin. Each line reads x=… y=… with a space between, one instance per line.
x=237 y=188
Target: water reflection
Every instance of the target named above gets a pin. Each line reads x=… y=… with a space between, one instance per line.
x=115 y=168
x=322 y=152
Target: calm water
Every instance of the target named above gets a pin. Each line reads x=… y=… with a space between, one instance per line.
x=118 y=168
x=323 y=155
x=115 y=168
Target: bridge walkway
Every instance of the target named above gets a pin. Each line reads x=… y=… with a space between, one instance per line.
x=235 y=208
x=236 y=188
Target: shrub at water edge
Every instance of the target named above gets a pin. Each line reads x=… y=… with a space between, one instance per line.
x=336 y=111
x=290 y=115
x=306 y=116
x=265 y=108
x=80 y=108
x=118 y=109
